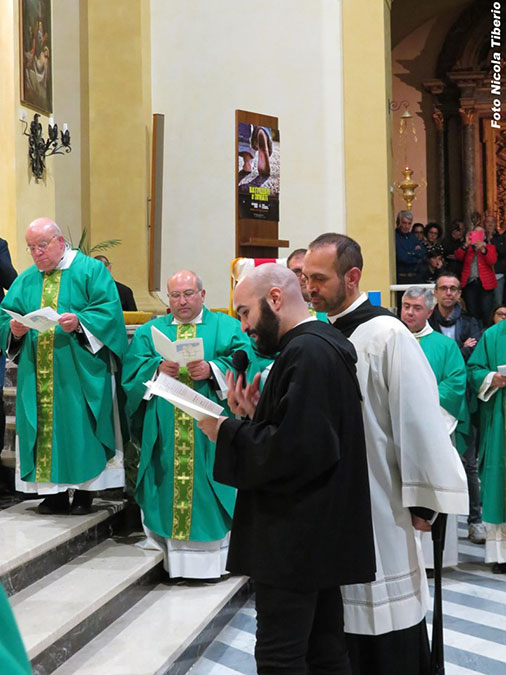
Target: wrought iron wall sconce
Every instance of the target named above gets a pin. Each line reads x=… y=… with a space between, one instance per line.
x=39 y=149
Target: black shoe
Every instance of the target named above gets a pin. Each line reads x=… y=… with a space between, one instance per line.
x=499 y=568
x=58 y=503
x=81 y=504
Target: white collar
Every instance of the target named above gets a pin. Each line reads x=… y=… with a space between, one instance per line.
x=426 y=330
x=197 y=319
x=66 y=260
x=359 y=301
x=309 y=318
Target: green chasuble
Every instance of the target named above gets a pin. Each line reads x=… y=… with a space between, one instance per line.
x=64 y=403
x=449 y=368
x=13 y=658
x=489 y=353
x=175 y=486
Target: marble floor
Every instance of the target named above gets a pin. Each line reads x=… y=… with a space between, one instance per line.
x=474 y=623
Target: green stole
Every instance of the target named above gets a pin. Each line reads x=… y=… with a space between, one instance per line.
x=184 y=453
x=45 y=383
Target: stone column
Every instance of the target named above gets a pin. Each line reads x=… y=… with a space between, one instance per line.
x=439 y=123
x=436 y=90
x=468 y=119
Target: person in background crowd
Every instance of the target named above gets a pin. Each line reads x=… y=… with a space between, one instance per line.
x=449 y=318
x=7 y=276
x=294 y=263
x=126 y=295
x=433 y=233
x=498 y=314
x=409 y=251
x=478 y=277
x=449 y=368
x=451 y=242
x=433 y=266
x=419 y=231
x=498 y=239
x=488 y=383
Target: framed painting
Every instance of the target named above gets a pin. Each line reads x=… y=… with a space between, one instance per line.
x=35 y=39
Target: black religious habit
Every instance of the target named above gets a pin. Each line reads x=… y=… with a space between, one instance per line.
x=303 y=517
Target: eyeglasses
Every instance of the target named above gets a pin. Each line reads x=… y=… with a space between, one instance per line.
x=40 y=247
x=188 y=294
x=452 y=289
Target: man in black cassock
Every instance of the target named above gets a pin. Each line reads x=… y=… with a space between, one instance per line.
x=302 y=523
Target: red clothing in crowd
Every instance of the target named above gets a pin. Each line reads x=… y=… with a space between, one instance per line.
x=486 y=262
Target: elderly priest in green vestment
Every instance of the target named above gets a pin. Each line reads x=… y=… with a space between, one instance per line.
x=67 y=419
x=186 y=513
x=487 y=375
x=449 y=367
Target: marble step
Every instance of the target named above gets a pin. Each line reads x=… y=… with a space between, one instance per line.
x=174 y=624
x=10 y=434
x=33 y=545
x=8 y=458
x=11 y=374
x=10 y=400
x=62 y=612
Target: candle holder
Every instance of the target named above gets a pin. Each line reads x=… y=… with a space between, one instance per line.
x=39 y=149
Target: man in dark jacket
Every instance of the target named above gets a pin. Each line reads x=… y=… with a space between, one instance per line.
x=450 y=319
x=7 y=276
x=302 y=523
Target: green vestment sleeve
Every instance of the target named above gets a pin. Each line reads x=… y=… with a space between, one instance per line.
x=13 y=658
x=489 y=353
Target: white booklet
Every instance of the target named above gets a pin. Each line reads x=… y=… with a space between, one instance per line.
x=183 y=397
x=180 y=351
x=41 y=319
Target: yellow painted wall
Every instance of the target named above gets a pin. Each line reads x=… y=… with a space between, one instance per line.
x=367 y=134
x=22 y=197
x=118 y=127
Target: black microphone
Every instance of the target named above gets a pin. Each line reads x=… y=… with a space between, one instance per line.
x=240 y=361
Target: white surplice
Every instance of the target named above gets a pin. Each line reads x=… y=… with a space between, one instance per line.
x=411 y=463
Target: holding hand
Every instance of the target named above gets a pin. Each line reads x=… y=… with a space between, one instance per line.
x=18 y=329
x=211 y=426
x=69 y=322
x=241 y=401
x=420 y=523
x=499 y=380
x=470 y=342
x=199 y=370
x=169 y=368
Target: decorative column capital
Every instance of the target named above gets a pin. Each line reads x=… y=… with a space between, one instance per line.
x=467 y=116
x=434 y=87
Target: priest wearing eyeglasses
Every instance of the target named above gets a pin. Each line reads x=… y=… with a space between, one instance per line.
x=186 y=513
x=67 y=416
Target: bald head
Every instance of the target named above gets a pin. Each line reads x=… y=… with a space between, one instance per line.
x=264 y=277
x=186 y=295
x=269 y=303
x=46 y=243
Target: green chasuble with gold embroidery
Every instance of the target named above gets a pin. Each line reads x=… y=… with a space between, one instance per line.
x=489 y=353
x=175 y=486
x=13 y=658
x=64 y=403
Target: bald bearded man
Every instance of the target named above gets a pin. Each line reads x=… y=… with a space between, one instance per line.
x=302 y=523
